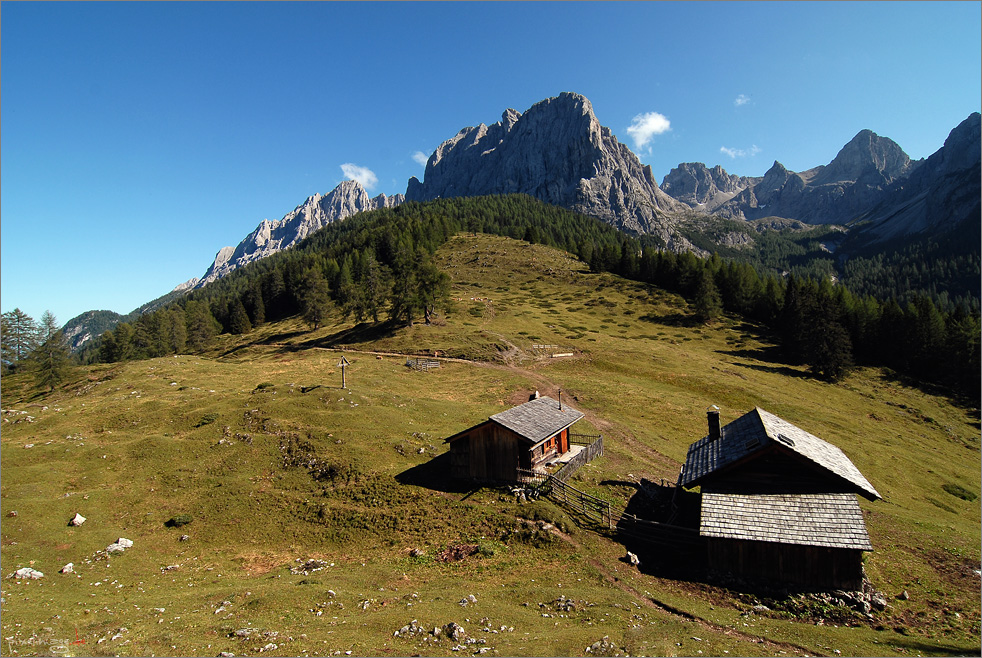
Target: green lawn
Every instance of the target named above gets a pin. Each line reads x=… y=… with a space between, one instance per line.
x=277 y=465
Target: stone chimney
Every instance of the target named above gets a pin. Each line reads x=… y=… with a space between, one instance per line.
x=534 y=396
x=712 y=415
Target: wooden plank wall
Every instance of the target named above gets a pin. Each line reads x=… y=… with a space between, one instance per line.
x=808 y=567
x=488 y=453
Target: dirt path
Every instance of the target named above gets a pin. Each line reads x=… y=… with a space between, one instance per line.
x=513 y=359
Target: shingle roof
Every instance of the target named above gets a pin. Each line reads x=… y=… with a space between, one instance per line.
x=758 y=430
x=832 y=520
x=538 y=419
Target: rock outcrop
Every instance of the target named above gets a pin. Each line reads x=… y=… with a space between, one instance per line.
x=557 y=152
x=836 y=193
x=347 y=199
x=702 y=188
x=939 y=195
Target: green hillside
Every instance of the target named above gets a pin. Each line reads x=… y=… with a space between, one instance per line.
x=322 y=521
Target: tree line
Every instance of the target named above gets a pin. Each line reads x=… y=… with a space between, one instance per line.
x=377 y=266
x=820 y=324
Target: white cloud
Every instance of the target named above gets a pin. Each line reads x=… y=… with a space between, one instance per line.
x=647 y=125
x=420 y=158
x=740 y=153
x=363 y=175
x=742 y=99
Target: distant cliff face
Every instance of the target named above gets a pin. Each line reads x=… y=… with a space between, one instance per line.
x=836 y=193
x=347 y=199
x=702 y=188
x=557 y=152
x=939 y=195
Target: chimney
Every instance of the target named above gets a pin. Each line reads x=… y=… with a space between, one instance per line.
x=560 y=399
x=712 y=415
x=534 y=396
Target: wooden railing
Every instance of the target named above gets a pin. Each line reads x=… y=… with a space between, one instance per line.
x=580 y=502
x=588 y=454
x=600 y=512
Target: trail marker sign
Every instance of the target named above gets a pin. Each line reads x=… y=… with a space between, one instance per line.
x=343 y=363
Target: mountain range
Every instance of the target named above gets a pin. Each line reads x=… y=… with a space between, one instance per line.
x=557 y=151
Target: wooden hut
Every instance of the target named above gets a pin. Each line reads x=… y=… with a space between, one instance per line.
x=779 y=505
x=527 y=436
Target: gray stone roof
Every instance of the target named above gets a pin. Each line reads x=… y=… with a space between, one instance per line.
x=758 y=430
x=831 y=520
x=538 y=419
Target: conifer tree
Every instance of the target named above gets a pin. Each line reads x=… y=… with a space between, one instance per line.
x=707 y=300
x=315 y=296
x=19 y=336
x=238 y=318
x=50 y=361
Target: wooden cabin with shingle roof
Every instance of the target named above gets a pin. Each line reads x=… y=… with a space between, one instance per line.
x=779 y=504
x=526 y=437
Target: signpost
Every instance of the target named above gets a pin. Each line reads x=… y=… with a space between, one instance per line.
x=343 y=363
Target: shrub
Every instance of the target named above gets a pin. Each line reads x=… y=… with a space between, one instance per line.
x=207 y=419
x=178 y=521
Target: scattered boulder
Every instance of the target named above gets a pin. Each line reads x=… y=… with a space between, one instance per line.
x=455 y=632
x=119 y=545
x=309 y=566
x=412 y=629
x=184 y=538
x=28 y=573
x=603 y=647
x=77 y=520
x=903 y=596
x=633 y=559
x=68 y=568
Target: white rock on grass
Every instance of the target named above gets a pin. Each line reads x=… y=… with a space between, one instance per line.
x=68 y=568
x=119 y=545
x=77 y=520
x=29 y=573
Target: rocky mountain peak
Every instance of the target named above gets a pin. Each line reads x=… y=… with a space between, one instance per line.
x=555 y=151
x=961 y=148
x=865 y=151
x=316 y=212
x=703 y=188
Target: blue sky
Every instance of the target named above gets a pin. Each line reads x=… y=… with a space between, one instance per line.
x=140 y=138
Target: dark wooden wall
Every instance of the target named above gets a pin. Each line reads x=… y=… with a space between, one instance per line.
x=814 y=568
x=488 y=453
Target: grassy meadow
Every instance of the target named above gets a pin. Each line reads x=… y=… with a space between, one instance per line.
x=322 y=521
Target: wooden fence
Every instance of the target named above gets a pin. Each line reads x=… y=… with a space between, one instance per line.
x=422 y=364
x=600 y=512
x=592 y=450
